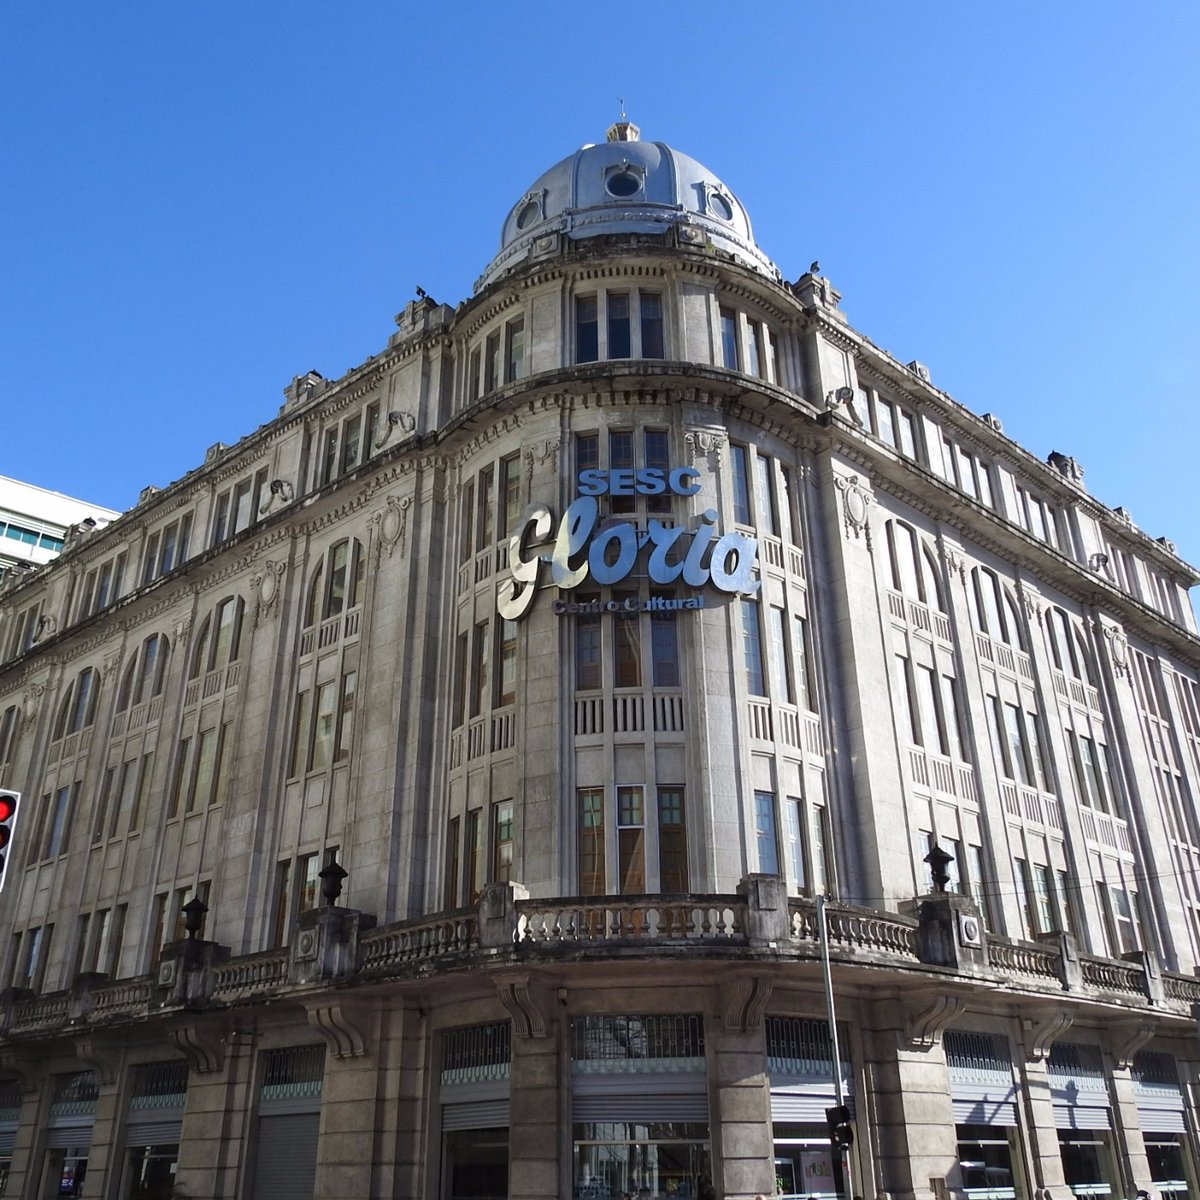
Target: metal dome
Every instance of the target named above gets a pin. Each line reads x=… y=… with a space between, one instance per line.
x=626 y=186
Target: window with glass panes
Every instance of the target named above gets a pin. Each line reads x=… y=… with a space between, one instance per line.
x=672 y=841
x=765 y=832
x=502 y=841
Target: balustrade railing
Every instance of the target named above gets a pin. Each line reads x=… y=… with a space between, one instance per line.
x=1110 y=976
x=638 y=918
x=1020 y=958
x=252 y=974
x=420 y=940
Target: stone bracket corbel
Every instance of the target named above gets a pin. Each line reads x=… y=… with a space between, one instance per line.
x=1126 y=1038
x=202 y=1045
x=744 y=1001
x=102 y=1057
x=527 y=1017
x=1042 y=1031
x=342 y=1026
x=29 y=1069
x=924 y=1025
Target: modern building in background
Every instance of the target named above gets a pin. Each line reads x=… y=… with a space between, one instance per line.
x=429 y=796
x=34 y=524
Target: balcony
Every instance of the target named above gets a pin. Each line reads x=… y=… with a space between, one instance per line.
x=757 y=927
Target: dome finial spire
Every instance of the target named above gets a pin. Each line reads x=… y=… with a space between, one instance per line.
x=623 y=130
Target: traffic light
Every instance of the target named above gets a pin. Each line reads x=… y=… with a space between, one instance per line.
x=9 y=802
x=841 y=1131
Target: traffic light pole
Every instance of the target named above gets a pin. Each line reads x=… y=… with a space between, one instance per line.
x=838 y=1091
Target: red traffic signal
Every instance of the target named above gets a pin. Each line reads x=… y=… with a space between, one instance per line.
x=9 y=804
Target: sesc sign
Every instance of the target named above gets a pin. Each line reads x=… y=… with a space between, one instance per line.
x=582 y=547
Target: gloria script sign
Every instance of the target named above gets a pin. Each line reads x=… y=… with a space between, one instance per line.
x=583 y=548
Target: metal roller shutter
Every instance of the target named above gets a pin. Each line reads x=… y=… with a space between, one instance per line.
x=285 y=1162
x=804 y=1104
x=1162 y=1120
x=154 y=1133
x=65 y=1135
x=476 y=1114
x=8 y=1136
x=985 y=1111
x=644 y=1106
x=1080 y=1116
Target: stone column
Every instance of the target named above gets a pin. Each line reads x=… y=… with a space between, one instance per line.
x=916 y=1145
x=29 y=1145
x=216 y=1115
x=1045 y=1158
x=1132 y=1164
x=533 y=1126
x=739 y=1093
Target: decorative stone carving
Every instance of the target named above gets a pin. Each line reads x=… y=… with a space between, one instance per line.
x=1127 y=1037
x=202 y=1046
x=924 y=1025
x=1042 y=1032
x=856 y=501
x=103 y=1058
x=31 y=701
x=112 y=660
x=268 y=583
x=705 y=443
x=992 y=420
x=1030 y=603
x=1066 y=466
x=393 y=524
x=744 y=1001
x=337 y=1021
x=47 y=626
x=280 y=493
x=395 y=419
x=1118 y=648
x=955 y=563
x=182 y=628
x=527 y=1017
x=542 y=452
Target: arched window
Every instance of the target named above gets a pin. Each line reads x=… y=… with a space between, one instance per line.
x=337 y=582
x=996 y=611
x=219 y=641
x=78 y=708
x=912 y=566
x=146 y=674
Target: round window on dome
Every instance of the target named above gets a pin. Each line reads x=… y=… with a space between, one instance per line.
x=720 y=205
x=623 y=183
x=530 y=211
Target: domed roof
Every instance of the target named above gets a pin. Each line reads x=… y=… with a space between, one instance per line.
x=626 y=186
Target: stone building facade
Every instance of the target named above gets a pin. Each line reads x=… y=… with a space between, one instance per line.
x=444 y=791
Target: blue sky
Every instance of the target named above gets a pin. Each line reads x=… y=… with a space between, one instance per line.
x=198 y=202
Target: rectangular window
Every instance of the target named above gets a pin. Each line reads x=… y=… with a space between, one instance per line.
x=458 y=698
x=664 y=648
x=222 y=771
x=752 y=649
x=510 y=493
x=620 y=457
x=479 y=668
x=474 y=862
x=308 y=878
x=631 y=840
x=765 y=833
x=652 y=325
x=450 y=882
x=329 y=456
x=466 y=515
x=587 y=330
x=59 y=826
x=474 y=374
x=1016 y=743
x=672 y=842
x=243 y=497
x=805 y=693
x=905 y=714
x=321 y=750
x=795 y=843
x=754 y=348
x=781 y=677
x=491 y=362
x=352 y=453
x=296 y=761
x=977 y=881
x=1043 y=898
x=371 y=429
x=618 y=325
x=1028 y=908
x=627 y=644
x=514 y=350
x=741 y=484
x=587 y=451
x=345 y=729
x=768 y=516
x=100 y=824
x=587 y=649
x=502 y=841
x=221 y=518
x=206 y=757
x=506 y=675
x=658 y=456
x=283 y=895
x=485 y=529
x=927 y=695
x=143 y=790
x=183 y=767
x=591 y=842
x=820 y=868
x=729 y=339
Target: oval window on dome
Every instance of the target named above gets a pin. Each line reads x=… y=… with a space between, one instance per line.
x=720 y=205
x=530 y=211
x=623 y=183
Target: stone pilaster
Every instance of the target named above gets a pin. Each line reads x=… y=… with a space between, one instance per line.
x=1045 y=1158
x=914 y=1120
x=740 y=1108
x=533 y=1130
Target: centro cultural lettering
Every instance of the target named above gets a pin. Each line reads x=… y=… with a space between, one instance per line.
x=583 y=548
